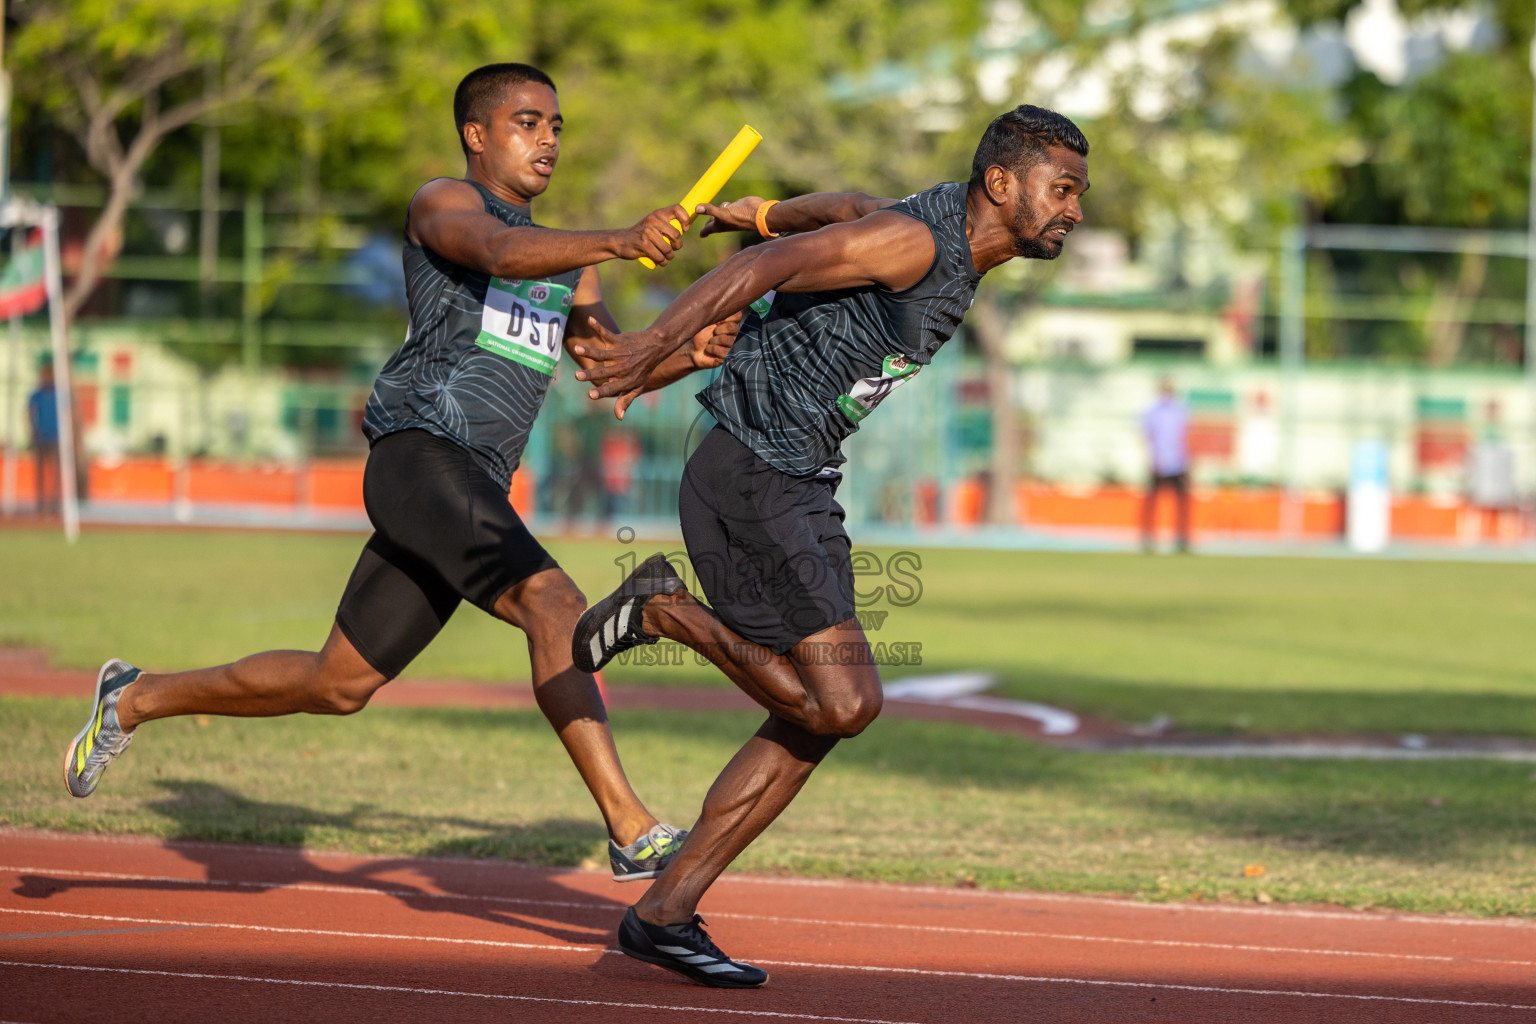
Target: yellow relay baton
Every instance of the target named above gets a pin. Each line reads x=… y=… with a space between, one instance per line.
x=713 y=180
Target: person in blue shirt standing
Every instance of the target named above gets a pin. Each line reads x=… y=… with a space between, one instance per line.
x=1166 y=427
x=43 y=415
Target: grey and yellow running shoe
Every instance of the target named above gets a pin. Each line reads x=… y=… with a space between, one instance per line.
x=647 y=856
x=101 y=740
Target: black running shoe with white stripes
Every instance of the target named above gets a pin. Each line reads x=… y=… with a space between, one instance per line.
x=614 y=623
x=687 y=949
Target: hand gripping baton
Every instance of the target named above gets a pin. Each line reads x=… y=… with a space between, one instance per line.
x=709 y=185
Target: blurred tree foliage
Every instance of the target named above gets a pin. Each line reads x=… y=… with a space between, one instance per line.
x=352 y=98
x=1449 y=147
x=325 y=97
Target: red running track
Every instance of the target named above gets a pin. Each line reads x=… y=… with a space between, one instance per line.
x=125 y=929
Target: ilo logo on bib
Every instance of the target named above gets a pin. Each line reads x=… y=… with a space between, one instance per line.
x=524 y=321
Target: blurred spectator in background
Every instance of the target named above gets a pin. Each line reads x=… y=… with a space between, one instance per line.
x=1166 y=427
x=1491 y=478
x=621 y=454
x=586 y=473
x=43 y=415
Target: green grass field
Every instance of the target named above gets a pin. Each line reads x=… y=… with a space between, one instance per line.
x=1219 y=644
x=905 y=801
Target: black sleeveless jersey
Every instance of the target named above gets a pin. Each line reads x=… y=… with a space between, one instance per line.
x=478 y=356
x=803 y=374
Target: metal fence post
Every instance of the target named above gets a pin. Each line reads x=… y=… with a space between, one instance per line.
x=1293 y=299
x=250 y=307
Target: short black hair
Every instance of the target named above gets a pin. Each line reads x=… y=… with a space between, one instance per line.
x=484 y=89
x=1018 y=140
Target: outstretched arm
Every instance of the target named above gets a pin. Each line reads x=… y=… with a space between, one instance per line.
x=889 y=250
x=802 y=213
x=708 y=349
x=448 y=216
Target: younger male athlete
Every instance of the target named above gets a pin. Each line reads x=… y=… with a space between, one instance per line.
x=860 y=302
x=490 y=297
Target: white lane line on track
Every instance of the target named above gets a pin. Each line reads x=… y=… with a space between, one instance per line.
x=397 y=891
x=407 y=991
x=1115 y=983
x=274 y=929
x=1103 y=902
x=1095 y=982
x=1173 y=943
x=1109 y=902
x=929 y=928
x=861 y=968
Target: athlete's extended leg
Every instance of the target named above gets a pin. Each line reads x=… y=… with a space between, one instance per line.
x=819 y=692
x=830 y=701
x=332 y=681
x=545 y=607
x=822 y=689
x=664 y=927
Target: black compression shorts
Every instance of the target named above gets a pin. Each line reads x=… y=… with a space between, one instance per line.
x=769 y=548
x=444 y=531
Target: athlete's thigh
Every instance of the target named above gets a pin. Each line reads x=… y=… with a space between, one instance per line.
x=394 y=605
x=836 y=663
x=769 y=549
x=428 y=497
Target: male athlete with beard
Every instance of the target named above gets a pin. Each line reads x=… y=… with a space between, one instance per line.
x=859 y=301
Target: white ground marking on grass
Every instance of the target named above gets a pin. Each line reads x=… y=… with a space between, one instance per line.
x=964 y=690
x=1312 y=751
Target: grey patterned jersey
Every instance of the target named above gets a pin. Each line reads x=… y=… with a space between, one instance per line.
x=478 y=356
x=804 y=372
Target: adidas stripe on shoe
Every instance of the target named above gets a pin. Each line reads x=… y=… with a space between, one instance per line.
x=688 y=950
x=614 y=623
x=99 y=743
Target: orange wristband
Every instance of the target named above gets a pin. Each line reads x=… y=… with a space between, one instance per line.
x=762 y=219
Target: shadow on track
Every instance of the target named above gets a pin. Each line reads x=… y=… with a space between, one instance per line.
x=455 y=883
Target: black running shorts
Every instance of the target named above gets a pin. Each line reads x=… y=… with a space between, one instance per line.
x=769 y=549
x=444 y=531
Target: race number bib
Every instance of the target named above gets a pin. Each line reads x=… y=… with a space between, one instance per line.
x=869 y=392
x=525 y=321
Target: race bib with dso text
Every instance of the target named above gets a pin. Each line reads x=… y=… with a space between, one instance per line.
x=525 y=321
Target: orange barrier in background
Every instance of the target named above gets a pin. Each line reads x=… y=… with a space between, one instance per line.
x=335 y=485
x=1223 y=510
x=1243 y=511
x=136 y=479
